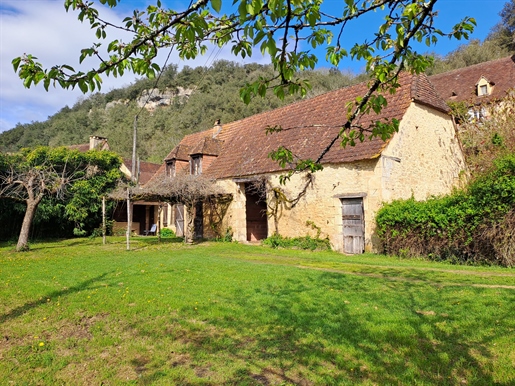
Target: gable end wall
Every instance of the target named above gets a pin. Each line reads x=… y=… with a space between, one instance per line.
x=423 y=159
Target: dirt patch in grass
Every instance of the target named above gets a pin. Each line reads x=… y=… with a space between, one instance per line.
x=78 y=374
x=277 y=377
x=74 y=331
x=179 y=359
x=204 y=372
x=260 y=379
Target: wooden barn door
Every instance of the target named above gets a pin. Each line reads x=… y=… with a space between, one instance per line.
x=179 y=220
x=353 y=225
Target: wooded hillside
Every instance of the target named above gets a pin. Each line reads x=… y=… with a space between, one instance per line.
x=197 y=97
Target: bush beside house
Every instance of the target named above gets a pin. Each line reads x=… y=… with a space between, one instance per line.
x=475 y=225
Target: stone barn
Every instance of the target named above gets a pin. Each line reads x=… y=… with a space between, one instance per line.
x=422 y=159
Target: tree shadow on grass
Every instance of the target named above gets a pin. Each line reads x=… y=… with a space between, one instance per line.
x=424 y=347
x=317 y=331
x=18 y=311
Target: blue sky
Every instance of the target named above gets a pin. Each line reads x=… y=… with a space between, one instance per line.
x=44 y=29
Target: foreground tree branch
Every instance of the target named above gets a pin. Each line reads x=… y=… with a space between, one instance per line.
x=275 y=28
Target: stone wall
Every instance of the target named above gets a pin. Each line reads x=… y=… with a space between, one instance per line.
x=424 y=158
x=321 y=205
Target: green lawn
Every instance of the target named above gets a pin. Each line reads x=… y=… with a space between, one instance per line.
x=80 y=313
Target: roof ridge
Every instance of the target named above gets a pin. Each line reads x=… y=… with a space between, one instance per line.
x=345 y=89
x=472 y=66
x=299 y=101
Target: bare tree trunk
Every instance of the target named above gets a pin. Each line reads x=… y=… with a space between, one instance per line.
x=189 y=228
x=23 y=239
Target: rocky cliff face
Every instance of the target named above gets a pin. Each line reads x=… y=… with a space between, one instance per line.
x=150 y=99
x=110 y=105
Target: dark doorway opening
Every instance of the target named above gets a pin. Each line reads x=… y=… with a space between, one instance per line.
x=255 y=209
x=198 y=222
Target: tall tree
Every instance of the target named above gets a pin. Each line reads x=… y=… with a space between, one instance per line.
x=503 y=33
x=287 y=31
x=31 y=175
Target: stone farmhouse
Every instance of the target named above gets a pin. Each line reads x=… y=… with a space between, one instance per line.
x=478 y=85
x=340 y=202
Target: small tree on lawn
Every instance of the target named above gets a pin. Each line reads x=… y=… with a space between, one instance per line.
x=31 y=175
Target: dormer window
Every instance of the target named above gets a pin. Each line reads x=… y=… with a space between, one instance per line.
x=484 y=87
x=170 y=169
x=196 y=165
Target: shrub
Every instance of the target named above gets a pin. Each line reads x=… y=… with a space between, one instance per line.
x=227 y=237
x=97 y=232
x=473 y=225
x=166 y=232
x=304 y=242
x=79 y=232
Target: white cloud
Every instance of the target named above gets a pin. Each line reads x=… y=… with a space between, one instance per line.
x=43 y=29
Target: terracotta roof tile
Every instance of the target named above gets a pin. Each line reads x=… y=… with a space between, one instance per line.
x=424 y=92
x=461 y=85
x=180 y=152
x=308 y=127
x=146 y=170
x=207 y=146
x=83 y=147
x=159 y=175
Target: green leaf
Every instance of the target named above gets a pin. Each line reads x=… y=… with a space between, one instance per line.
x=27 y=81
x=217 y=5
x=46 y=83
x=83 y=85
x=16 y=63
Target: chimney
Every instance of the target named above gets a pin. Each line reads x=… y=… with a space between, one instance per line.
x=96 y=142
x=217 y=127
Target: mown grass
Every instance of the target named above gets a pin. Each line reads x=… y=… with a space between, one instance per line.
x=77 y=312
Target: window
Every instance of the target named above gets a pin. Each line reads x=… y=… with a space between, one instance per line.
x=196 y=165
x=170 y=169
x=483 y=90
x=477 y=114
